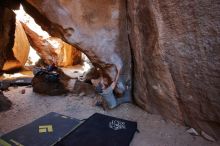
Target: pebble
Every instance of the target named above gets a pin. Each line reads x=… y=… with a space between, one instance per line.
x=23 y=91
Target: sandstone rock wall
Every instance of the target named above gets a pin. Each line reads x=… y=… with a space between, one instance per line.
x=7 y=30
x=69 y=55
x=62 y=54
x=177 y=60
x=174 y=50
x=20 y=49
x=44 y=49
x=97 y=28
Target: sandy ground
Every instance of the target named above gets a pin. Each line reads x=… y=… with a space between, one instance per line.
x=75 y=71
x=154 y=131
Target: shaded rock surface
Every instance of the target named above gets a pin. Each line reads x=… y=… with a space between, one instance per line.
x=11 y=4
x=5 y=103
x=42 y=86
x=175 y=46
x=4 y=85
x=83 y=89
x=45 y=83
x=7 y=30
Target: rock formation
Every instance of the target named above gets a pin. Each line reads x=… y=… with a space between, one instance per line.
x=7 y=30
x=20 y=49
x=63 y=55
x=5 y=103
x=48 y=83
x=97 y=29
x=175 y=47
x=68 y=55
x=44 y=49
x=174 y=50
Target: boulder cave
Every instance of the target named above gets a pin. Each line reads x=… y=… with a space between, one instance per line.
x=165 y=53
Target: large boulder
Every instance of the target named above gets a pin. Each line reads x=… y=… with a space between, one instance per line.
x=62 y=54
x=5 y=103
x=7 y=30
x=177 y=60
x=97 y=28
x=20 y=50
x=48 y=83
x=11 y=4
x=44 y=49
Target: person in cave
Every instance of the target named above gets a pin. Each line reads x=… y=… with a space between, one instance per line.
x=113 y=93
x=106 y=92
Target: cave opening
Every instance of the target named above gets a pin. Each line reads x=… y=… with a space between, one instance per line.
x=34 y=47
x=40 y=51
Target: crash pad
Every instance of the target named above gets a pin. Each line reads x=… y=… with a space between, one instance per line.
x=45 y=131
x=101 y=130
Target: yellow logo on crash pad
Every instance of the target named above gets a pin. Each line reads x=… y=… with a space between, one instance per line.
x=45 y=128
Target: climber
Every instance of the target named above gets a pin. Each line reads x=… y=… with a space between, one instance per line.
x=106 y=93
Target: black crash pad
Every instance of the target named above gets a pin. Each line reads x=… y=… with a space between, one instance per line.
x=101 y=130
x=21 y=81
x=45 y=131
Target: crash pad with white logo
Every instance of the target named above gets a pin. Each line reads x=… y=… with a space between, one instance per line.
x=101 y=130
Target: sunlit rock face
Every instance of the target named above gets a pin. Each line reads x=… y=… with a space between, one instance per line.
x=53 y=50
x=68 y=55
x=44 y=49
x=97 y=28
x=20 y=50
x=5 y=103
x=177 y=60
x=50 y=49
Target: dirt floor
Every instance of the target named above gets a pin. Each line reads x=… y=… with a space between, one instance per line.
x=154 y=131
